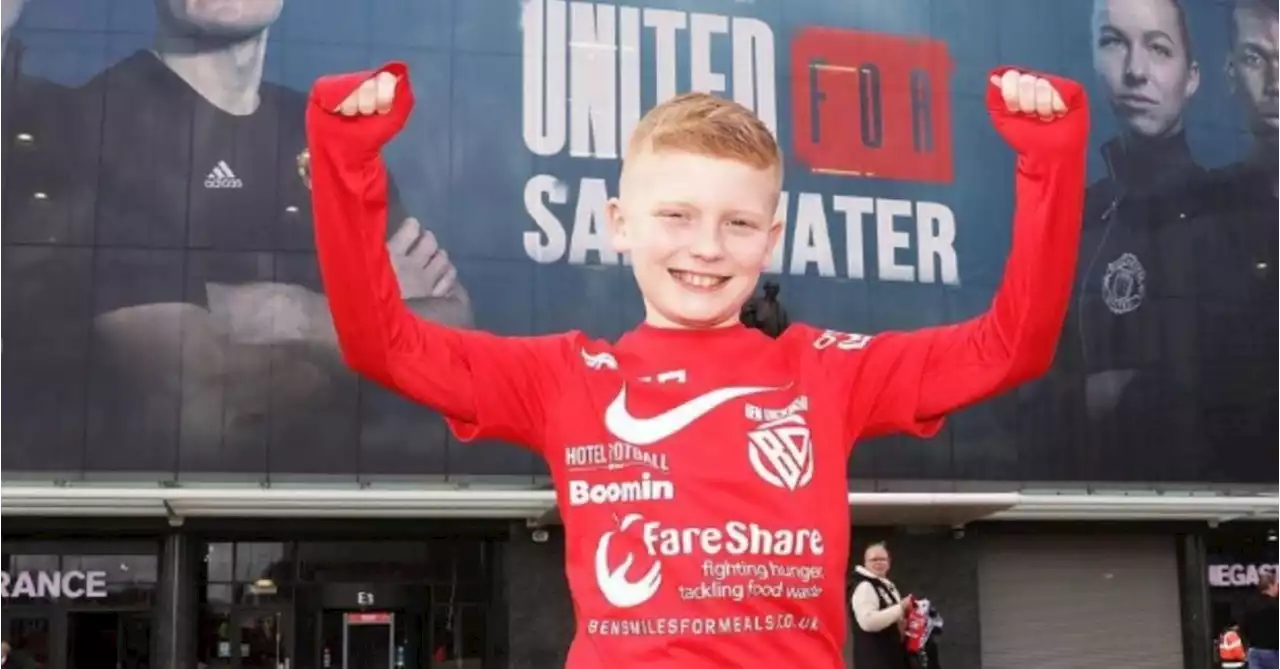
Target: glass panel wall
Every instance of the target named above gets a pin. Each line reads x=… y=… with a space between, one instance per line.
x=236 y=581
x=431 y=596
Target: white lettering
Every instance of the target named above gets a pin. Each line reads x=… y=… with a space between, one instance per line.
x=1238 y=575
x=936 y=238
x=548 y=243
x=54 y=584
x=763 y=414
x=96 y=584
x=543 y=25
x=615 y=455
x=844 y=341
x=585 y=456
x=72 y=589
x=582 y=82
x=646 y=489
x=590 y=230
x=686 y=627
x=701 y=28
x=593 y=111
x=629 y=63
x=855 y=210
x=734 y=538
x=889 y=240
x=23 y=586
x=812 y=243
x=665 y=23
x=584 y=91
x=586 y=239
x=754 y=83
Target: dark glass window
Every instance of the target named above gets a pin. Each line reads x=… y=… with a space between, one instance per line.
x=213 y=639
x=258 y=561
x=244 y=580
x=219 y=561
x=254 y=563
x=365 y=561
x=460 y=635
x=239 y=578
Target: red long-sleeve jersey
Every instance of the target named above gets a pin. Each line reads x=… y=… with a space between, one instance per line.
x=700 y=473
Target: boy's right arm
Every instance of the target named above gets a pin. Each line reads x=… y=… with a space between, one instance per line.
x=485 y=385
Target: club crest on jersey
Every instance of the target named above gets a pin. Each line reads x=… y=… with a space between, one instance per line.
x=780 y=449
x=304 y=167
x=1124 y=284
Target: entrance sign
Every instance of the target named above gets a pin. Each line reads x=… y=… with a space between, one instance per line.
x=54 y=584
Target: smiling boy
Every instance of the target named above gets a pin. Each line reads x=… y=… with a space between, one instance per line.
x=699 y=465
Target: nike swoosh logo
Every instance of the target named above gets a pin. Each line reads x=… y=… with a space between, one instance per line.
x=647 y=431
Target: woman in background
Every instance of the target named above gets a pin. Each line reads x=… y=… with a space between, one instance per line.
x=878 y=612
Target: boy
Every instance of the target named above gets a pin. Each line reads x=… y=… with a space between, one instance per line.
x=699 y=465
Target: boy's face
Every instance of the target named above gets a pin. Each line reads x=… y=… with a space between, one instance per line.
x=699 y=230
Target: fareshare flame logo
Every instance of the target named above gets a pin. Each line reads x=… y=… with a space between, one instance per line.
x=781 y=452
x=613 y=583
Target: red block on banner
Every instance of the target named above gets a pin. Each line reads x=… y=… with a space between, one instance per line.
x=872 y=105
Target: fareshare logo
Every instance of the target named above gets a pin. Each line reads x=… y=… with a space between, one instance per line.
x=734 y=538
x=613 y=583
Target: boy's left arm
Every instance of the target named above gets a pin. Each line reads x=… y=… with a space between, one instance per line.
x=1015 y=340
x=908 y=382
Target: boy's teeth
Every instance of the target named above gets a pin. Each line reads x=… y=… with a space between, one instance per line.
x=699 y=280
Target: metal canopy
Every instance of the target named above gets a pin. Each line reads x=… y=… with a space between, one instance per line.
x=867 y=508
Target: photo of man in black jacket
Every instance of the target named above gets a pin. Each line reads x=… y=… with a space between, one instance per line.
x=1236 y=280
